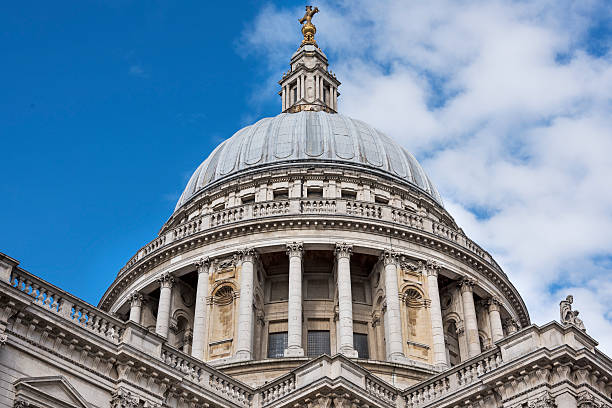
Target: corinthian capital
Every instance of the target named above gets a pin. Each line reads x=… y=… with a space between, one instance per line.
x=493 y=304
x=136 y=299
x=467 y=285
x=203 y=264
x=247 y=255
x=343 y=250
x=389 y=257
x=166 y=280
x=432 y=267
x=295 y=249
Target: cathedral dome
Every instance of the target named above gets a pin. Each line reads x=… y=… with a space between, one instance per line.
x=320 y=138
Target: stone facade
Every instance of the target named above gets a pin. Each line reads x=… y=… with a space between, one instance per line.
x=309 y=263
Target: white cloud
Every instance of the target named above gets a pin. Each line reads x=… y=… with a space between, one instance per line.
x=511 y=113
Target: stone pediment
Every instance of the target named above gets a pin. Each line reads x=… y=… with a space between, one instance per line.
x=54 y=392
x=329 y=381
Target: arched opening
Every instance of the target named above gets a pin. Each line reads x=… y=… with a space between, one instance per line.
x=451 y=341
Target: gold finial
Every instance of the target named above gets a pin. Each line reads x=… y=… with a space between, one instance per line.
x=308 y=29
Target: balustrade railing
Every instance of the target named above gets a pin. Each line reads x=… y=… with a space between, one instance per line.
x=198 y=372
x=67 y=306
x=406 y=218
x=451 y=380
x=380 y=390
x=363 y=209
x=445 y=232
x=339 y=207
x=270 y=208
x=277 y=389
x=318 y=206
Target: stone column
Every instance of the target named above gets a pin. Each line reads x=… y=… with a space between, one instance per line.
x=378 y=335
x=393 y=322
x=244 y=344
x=166 y=282
x=497 y=332
x=294 y=323
x=435 y=313
x=136 y=307
x=345 y=299
x=199 y=317
x=283 y=101
x=469 y=318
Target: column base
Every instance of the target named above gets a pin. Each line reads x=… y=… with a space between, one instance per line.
x=441 y=367
x=398 y=358
x=294 y=352
x=242 y=355
x=349 y=352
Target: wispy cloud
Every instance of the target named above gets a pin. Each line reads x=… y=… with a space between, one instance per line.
x=508 y=105
x=138 y=71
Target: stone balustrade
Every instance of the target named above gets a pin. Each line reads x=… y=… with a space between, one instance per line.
x=318 y=206
x=306 y=206
x=230 y=389
x=277 y=389
x=199 y=373
x=452 y=380
x=381 y=390
x=67 y=306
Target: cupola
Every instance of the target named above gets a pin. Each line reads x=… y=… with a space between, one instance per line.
x=309 y=85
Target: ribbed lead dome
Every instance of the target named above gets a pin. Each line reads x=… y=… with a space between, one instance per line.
x=308 y=137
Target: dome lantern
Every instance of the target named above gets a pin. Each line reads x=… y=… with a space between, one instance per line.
x=309 y=85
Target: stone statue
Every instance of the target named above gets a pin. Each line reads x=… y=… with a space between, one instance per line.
x=569 y=316
x=565 y=309
x=308 y=29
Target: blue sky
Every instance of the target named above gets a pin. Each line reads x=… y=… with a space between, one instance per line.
x=107 y=107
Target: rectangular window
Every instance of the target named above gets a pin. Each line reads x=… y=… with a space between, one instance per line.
x=219 y=207
x=279 y=290
x=349 y=195
x=317 y=289
x=358 y=292
x=248 y=199
x=294 y=95
x=277 y=343
x=314 y=192
x=281 y=194
x=381 y=200
x=360 y=343
x=318 y=343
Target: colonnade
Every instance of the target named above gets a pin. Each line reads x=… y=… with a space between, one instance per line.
x=394 y=342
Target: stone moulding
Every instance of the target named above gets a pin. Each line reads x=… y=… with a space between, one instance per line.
x=329 y=221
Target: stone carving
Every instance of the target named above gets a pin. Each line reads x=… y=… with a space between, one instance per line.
x=543 y=401
x=247 y=255
x=123 y=398
x=136 y=299
x=343 y=250
x=203 y=264
x=295 y=249
x=587 y=400
x=388 y=257
x=467 y=284
x=166 y=280
x=569 y=316
x=510 y=325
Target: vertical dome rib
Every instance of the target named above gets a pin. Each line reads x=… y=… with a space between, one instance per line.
x=308 y=137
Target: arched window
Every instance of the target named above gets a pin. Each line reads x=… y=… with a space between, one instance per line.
x=451 y=341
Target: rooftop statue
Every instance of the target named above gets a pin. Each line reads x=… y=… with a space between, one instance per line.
x=569 y=316
x=308 y=29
